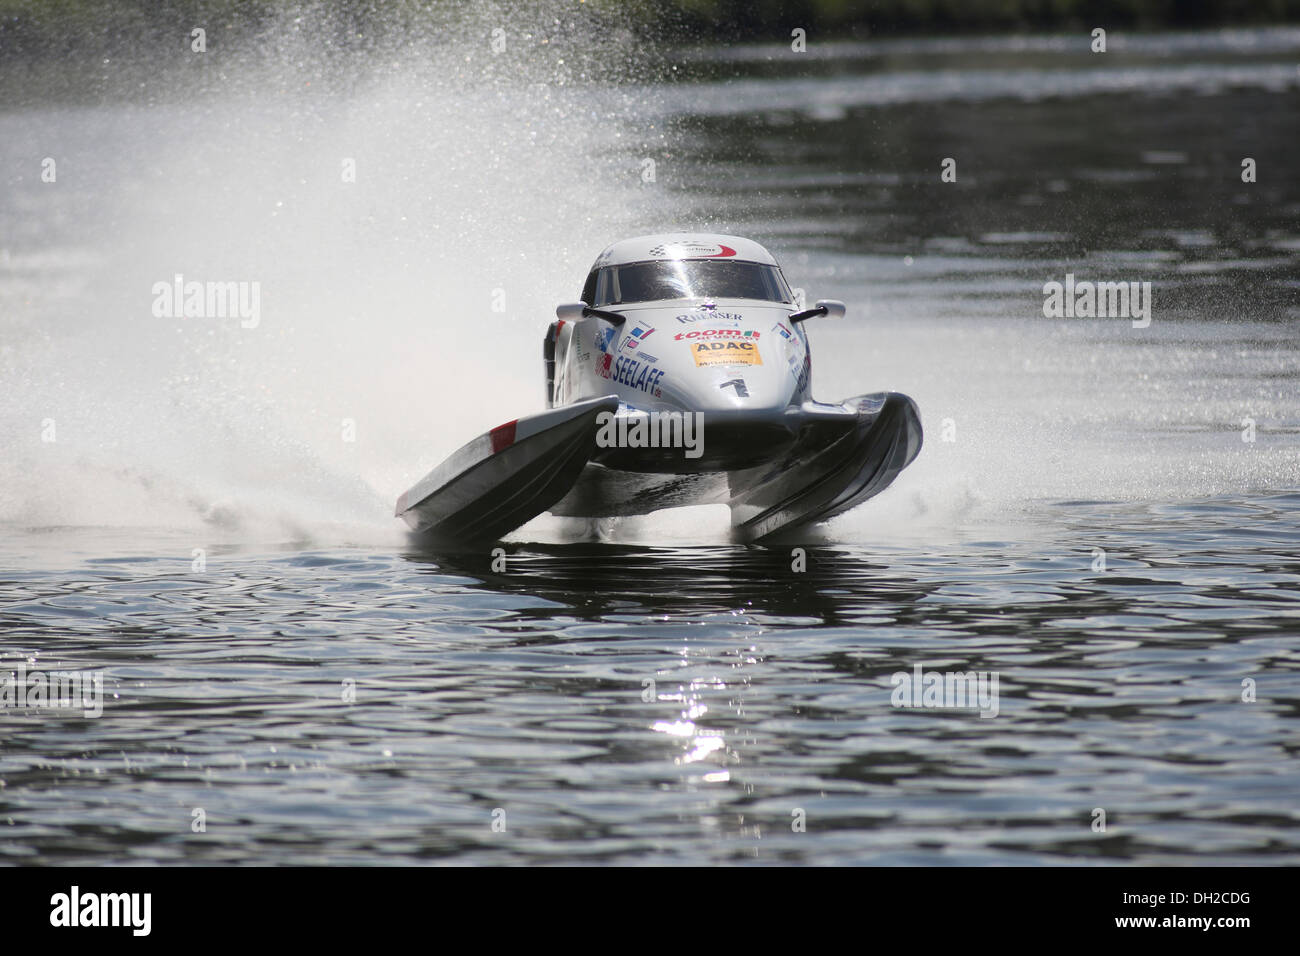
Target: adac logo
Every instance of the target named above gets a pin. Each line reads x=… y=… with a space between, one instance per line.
x=726 y=353
x=691 y=249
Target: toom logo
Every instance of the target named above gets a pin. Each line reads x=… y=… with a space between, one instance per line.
x=726 y=353
x=690 y=249
x=717 y=334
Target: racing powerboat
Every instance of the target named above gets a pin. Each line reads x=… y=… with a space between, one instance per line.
x=681 y=378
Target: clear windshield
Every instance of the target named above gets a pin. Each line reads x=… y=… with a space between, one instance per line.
x=689 y=279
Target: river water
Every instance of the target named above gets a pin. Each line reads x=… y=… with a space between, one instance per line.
x=1106 y=514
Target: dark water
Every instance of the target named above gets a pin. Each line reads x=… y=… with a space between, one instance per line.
x=326 y=693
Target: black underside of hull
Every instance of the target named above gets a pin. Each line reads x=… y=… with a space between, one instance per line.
x=827 y=469
x=819 y=482
x=778 y=475
x=731 y=446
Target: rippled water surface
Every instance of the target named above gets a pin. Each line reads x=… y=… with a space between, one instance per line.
x=1106 y=517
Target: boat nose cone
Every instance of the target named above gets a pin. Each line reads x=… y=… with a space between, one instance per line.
x=739 y=388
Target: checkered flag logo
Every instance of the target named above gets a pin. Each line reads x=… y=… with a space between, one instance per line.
x=658 y=250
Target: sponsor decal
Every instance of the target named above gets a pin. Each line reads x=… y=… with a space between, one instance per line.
x=726 y=353
x=691 y=249
x=710 y=316
x=716 y=334
x=647 y=357
x=636 y=337
x=602 y=365
x=802 y=383
x=795 y=354
x=638 y=375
